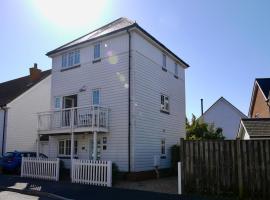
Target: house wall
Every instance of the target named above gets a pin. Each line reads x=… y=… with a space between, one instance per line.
x=148 y=81
x=149 y=124
x=223 y=115
x=2 y=112
x=110 y=76
x=260 y=108
x=21 y=131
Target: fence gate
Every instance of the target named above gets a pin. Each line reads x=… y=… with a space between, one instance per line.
x=92 y=172
x=40 y=168
x=235 y=167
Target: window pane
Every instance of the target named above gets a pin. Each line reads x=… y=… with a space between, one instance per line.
x=70 y=59
x=68 y=147
x=57 y=103
x=96 y=97
x=77 y=57
x=163 y=146
x=176 y=69
x=97 y=51
x=61 y=148
x=64 y=61
x=164 y=60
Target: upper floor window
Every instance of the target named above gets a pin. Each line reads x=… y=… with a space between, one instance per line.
x=163 y=147
x=57 y=102
x=176 y=69
x=164 y=61
x=96 y=97
x=97 y=54
x=70 y=59
x=164 y=103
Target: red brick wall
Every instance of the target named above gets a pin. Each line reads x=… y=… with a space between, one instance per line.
x=260 y=106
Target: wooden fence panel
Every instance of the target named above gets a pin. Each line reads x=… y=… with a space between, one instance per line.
x=234 y=167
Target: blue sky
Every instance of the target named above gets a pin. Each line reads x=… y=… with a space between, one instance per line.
x=226 y=43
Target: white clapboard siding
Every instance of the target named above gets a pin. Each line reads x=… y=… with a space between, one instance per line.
x=40 y=168
x=92 y=172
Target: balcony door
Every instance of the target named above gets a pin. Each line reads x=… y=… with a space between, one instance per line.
x=68 y=102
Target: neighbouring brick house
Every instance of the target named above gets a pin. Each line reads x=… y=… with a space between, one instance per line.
x=258 y=124
x=260 y=96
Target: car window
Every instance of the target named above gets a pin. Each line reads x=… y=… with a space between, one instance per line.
x=8 y=154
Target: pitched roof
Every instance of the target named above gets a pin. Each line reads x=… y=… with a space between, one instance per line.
x=111 y=28
x=257 y=127
x=12 y=89
x=264 y=84
x=226 y=101
x=116 y=25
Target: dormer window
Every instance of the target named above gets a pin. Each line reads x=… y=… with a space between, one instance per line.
x=71 y=59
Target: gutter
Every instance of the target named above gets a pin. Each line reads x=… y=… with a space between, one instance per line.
x=4 y=128
x=129 y=104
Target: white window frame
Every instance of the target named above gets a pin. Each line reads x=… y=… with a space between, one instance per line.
x=164 y=61
x=165 y=103
x=176 y=70
x=65 y=147
x=60 y=102
x=69 y=58
x=94 y=47
x=99 y=95
x=104 y=143
x=163 y=147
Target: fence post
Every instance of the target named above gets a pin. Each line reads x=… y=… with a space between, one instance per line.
x=109 y=175
x=239 y=168
x=182 y=160
x=22 y=166
x=179 y=179
x=57 y=168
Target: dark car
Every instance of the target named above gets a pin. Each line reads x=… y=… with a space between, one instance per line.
x=11 y=161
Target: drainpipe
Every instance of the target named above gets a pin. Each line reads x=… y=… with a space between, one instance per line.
x=129 y=104
x=4 y=128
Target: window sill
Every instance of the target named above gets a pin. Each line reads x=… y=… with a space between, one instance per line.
x=96 y=60
x=73 y=67
x=163 y=157
x=176 y=77
x=164 y=111
x=164 y=69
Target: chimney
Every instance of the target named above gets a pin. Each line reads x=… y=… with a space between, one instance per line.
x=35 y=73
x=202 y=107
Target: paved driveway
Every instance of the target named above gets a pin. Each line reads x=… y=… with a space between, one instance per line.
x=164 y=185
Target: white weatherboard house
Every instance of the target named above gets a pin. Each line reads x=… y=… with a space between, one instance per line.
x=20 y=100
x=119 y=94
x=224 y=115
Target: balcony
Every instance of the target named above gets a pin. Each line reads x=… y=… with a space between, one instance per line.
x=76 y=119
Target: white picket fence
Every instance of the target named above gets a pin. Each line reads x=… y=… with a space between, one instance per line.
x=40 y=168
x=92 y=172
